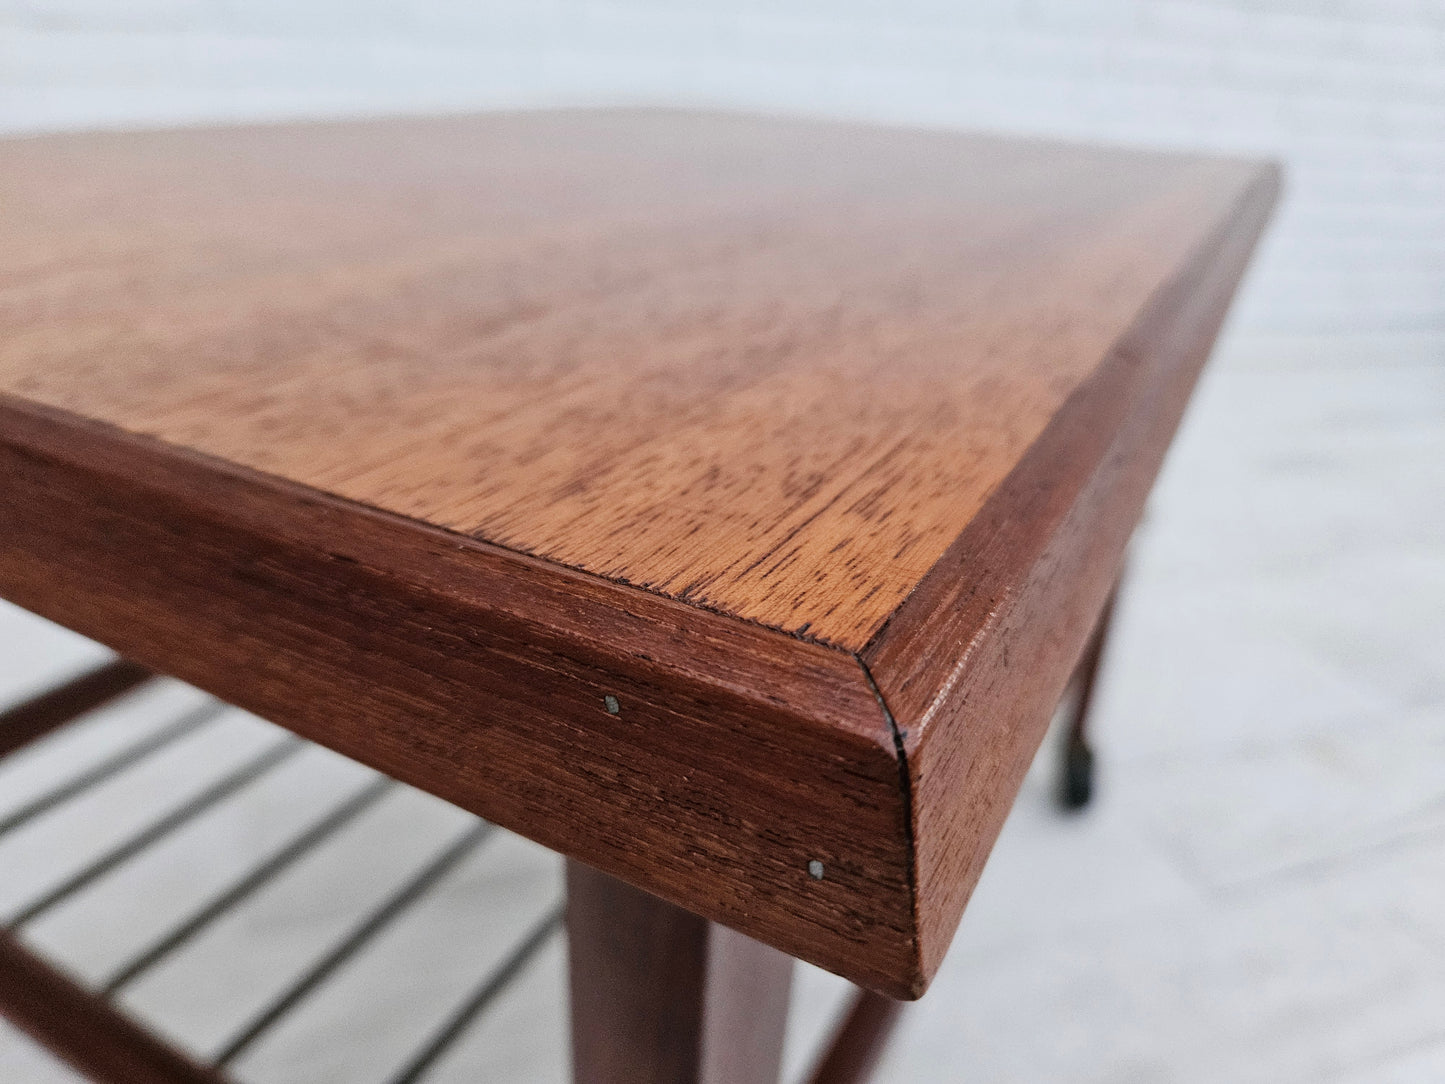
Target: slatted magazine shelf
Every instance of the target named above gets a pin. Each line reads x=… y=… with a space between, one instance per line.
x=291 y=801
x=724 y=503
x=341 y=856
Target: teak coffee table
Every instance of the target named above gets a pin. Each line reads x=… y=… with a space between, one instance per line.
x=722 y=502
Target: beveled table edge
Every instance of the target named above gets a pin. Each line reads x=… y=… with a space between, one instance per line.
x=701 y=757
x=705 y=759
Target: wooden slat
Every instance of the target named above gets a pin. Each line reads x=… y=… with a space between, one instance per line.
x=158 y=829
x=250 y=882
x=86 y=1027
x=104 y=1044
x=93 y=776
x=491 y=988
x=34 y=718
x=355 y=940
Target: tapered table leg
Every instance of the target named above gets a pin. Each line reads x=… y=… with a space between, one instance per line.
x=660 y=996
x=1076 y=784
x=859 y=1040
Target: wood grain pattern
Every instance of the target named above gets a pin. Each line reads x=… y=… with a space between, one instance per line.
x=737 y=755
x=377 y=430
x=660 y=996
x=973 y=664
x=768 y=367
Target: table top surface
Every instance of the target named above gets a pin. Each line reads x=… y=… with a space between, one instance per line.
x=788 y=381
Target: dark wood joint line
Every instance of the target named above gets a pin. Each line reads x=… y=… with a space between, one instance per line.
x=905 y=794
x=1022 y=592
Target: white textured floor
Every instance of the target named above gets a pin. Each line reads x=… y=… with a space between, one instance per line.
x=1258 y=893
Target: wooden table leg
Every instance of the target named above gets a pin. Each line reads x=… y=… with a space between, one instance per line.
x=660 y=996
x=859 y=1040
x=1076 y=784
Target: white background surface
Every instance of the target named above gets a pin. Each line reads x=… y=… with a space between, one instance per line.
x=1349 y=93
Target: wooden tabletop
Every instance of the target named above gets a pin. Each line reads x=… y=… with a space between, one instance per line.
x=721 y=501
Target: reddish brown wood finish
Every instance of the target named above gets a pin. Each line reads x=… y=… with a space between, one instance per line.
x=660 y=996
x=830 y=438
x=38 y=716
x=769 y=367
x=1086 y=674
x=100 y=1042
x=736 y=757
x=972 y=666
x=862 y=1035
